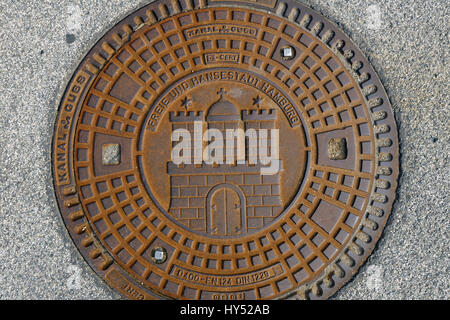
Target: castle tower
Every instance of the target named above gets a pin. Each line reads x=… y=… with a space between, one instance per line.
x=224 y=115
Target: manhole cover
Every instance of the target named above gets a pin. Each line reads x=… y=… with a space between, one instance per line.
x=225 y=150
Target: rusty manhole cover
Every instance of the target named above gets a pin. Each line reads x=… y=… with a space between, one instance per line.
x=225 y=150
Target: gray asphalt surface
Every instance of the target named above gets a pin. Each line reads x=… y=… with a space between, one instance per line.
x=41 y=43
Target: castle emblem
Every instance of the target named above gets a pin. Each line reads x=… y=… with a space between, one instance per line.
x=229 y=199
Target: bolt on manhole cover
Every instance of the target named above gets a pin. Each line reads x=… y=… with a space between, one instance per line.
x=225 y=150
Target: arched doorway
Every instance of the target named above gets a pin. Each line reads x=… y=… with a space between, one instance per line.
x=225 y=211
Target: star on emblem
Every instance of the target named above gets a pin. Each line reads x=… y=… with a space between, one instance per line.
x=221 y=92
x=257 y=101
x=186 y=102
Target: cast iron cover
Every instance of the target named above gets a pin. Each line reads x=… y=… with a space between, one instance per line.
x=155 y=228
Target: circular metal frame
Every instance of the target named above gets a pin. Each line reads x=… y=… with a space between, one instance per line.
x=368 y=189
